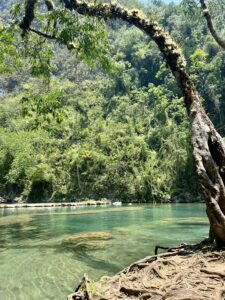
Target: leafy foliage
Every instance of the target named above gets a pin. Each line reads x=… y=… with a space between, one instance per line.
x=84 y=132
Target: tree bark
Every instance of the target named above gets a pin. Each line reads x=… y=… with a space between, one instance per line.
x=208 y=146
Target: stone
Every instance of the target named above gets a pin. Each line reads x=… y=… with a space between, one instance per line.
x=88 y=241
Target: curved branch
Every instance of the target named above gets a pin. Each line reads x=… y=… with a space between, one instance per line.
x=166 y=45
x=29 y=12
x=169 y=49
x=210 y=25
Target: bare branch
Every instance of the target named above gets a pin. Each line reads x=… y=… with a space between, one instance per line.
x=210 y=25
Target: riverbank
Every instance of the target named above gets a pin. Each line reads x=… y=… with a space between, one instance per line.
x=185 y=273
x=60 y=204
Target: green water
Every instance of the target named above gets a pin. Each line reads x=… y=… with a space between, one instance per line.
x=34 y=265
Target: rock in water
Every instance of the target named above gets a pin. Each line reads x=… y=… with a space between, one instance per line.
x=88 y=241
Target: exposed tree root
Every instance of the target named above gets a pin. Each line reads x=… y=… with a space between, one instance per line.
x=191 y=272
x=82 y=291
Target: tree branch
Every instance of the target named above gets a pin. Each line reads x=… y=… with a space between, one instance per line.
x=210 y=25
x=45 y=35
x=169 y=49
x=29 y=15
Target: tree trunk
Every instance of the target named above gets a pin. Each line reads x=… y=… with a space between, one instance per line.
x=208 y=146
x=209 y=156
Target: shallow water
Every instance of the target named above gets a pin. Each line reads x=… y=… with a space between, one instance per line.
x=34 y=264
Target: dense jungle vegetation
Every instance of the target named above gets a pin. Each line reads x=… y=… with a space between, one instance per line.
x=117 y=131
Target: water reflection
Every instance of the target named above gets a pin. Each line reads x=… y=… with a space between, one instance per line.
x=36 y=264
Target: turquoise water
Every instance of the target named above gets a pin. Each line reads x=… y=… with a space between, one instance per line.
x=34 y=264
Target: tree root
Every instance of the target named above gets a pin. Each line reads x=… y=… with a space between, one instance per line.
x=160 y=247
x=217 y=273
x=81 y=292
x=132 y=292
x=183 y=273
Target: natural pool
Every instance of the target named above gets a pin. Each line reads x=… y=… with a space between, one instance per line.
x=34 y=263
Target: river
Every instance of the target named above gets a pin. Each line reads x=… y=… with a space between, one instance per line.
x=35 y=265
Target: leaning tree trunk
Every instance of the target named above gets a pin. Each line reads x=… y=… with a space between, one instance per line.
x=208 y=146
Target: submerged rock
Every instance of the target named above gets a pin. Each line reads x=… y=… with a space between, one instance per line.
x=14 y=220
x=88 y=241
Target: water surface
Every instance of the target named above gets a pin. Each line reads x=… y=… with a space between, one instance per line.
x=34 y=264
